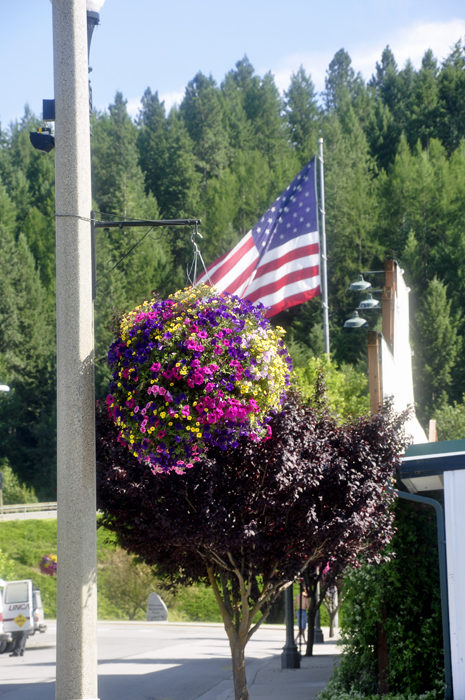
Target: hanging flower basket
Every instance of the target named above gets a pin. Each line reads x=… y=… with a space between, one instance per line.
x=48 y=565
x=195 y=370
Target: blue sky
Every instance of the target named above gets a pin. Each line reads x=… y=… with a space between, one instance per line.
x=142 y=43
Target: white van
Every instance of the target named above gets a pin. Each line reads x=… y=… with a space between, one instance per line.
x=21 y=612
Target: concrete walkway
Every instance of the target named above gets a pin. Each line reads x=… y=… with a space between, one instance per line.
x=266 y=678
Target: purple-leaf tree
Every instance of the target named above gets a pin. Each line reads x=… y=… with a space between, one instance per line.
x=248 y=520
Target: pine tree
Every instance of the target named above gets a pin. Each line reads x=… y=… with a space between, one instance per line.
x=339 y=81
x=437 y=346
x=451 y=97
x=303 y=115
x=234 y=88
x=151 y=143
x=27 y=352
x=425 y=107
x=203 y=116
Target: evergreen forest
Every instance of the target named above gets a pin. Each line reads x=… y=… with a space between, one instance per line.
x=394 y=188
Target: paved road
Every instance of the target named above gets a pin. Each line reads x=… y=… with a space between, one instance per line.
x=151 y=661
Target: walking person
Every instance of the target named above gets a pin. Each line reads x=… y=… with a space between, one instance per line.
x=301 y=605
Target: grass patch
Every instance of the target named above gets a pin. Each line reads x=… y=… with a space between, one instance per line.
x=26 y=542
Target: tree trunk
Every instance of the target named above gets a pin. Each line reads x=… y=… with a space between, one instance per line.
x=311 y=625
x=241 y=691
x=332 y=617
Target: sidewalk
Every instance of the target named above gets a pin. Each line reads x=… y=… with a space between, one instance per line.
x=266 y=679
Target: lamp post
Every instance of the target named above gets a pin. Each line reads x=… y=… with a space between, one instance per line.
x=290 y=657
x=76 y=670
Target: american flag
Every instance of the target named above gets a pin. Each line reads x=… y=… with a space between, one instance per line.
x=277 y=263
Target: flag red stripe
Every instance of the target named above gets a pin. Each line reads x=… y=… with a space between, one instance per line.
x=222 y=269
x=302 y=252
x=296 y=276
x=243 y=277
x=293 y=300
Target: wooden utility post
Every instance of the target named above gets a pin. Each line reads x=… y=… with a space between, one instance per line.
x=374 y=371
x=389 y=302
x=375 y=382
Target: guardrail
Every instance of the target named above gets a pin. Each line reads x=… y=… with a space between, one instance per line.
x=27 y=510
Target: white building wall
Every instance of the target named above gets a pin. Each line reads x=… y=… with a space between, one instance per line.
x=454 y=497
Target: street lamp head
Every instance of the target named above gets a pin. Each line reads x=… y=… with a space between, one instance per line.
x=360 y=285
x=369 y=303
x=94 y=5
x=356 y=322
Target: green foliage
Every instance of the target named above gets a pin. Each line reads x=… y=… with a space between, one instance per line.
x=6 y=567
x=13 y=490
x=401 y=595
x=336 y=690
x=346 y=389
x=436 y=354
x=450 y=421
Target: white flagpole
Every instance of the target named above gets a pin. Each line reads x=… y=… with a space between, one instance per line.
x=324 y=273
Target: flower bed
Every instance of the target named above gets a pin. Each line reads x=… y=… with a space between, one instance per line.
x=48 y=564
x=194 y=370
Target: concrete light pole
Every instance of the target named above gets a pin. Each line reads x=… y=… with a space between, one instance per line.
x=76 y=494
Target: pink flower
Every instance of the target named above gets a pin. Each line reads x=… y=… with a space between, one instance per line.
x=202 y=334
x=218 y=351
x=189 y=465
x=225 y=342
x=136 y=409
x=209 y=386
x=161 y=390
x=155 y=367
x=161 y=434
x=185 y=411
